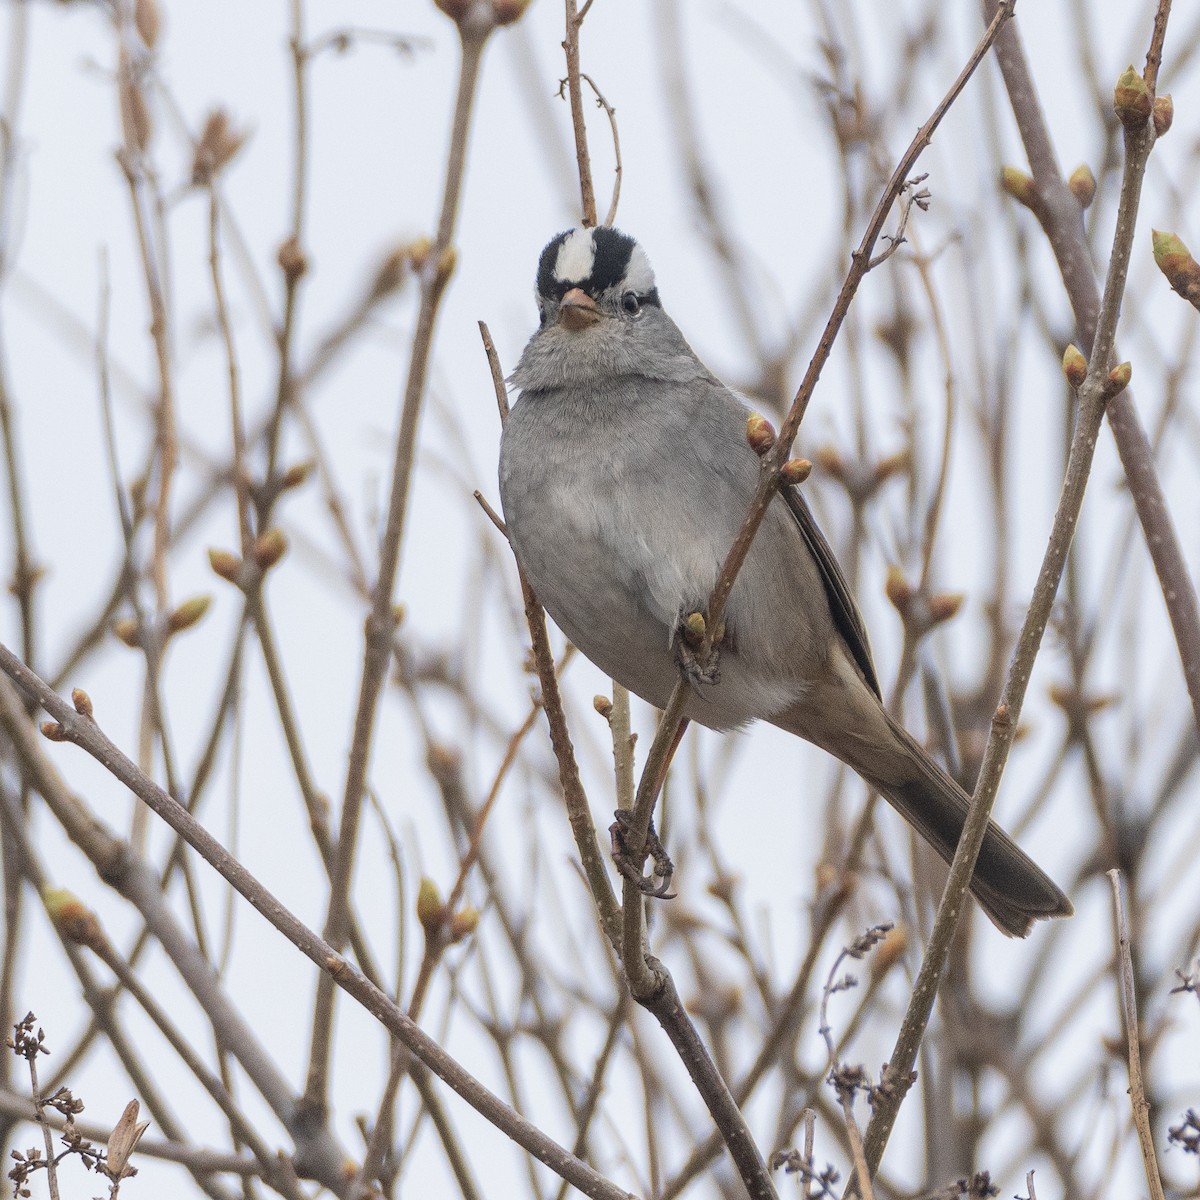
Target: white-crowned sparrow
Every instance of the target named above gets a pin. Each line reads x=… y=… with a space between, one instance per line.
x=625 y=474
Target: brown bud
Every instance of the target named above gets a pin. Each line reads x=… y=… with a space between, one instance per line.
x=1074 y=365
x=831 y=462
x=794 y=471
x=148 y=20
x=126 y=628
x=82 y=702
x=898 y=590
x=418 y=253
x=52 y=731
x=72 y=918
x=391 y=273
x=760 y=433
x=269 y=548
x=296 y=475
x=188 y=613
x=463 y=923
x=1175 y=261
x=723 y=887
x=893 y=464
x=944 y=605
x=508 y=11
x=603 y=705
x=292 y=260
x=226 y=564
x=456 y=10
x=1132 y=101
x=1118 y=379
x=218 y=143
x=1019 y=185
x=444 y=762
x=1163 y=113
x=826 y=875
x=446 y=264
x=430 y=909
x=1082 y=184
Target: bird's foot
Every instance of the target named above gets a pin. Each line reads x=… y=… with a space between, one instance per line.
x=664 y=868
x=697 y=667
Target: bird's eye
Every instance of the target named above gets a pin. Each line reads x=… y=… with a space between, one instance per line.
x=541 y=313
x=631 y=304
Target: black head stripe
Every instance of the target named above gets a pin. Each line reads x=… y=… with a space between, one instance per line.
x=610 y=261
x=613 y=252
x=547 y=285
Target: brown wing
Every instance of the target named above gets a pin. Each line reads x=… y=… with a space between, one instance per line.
x=845 y=612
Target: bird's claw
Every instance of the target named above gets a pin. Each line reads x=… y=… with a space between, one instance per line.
x=697 y=667
x=664 y=868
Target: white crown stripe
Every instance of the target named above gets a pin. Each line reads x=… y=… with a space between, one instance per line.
x=576 y=256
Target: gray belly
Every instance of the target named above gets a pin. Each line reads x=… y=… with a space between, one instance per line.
x=618 y=555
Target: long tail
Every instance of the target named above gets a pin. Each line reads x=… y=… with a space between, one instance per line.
x=1012 y=889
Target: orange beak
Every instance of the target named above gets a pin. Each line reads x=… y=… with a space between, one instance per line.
x=578 y=310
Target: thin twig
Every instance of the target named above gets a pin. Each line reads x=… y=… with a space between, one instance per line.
x=583 y=162
x=611 y=113
x=1129 y=1012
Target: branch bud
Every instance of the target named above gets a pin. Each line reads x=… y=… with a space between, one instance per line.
x=52 y=731
x=292 y=260
x=148 y=20
x=188 y=613
x=1132 y=101
x=760 y=433
x=1175 y=261
x=795 y=470
x=431 y=911
x=463 y=923
x=126 y=628
x=892 y=464
x=898 y=590
x=296 y=475
x=269 y=548
x=1164 y=114
x=603 y=705
x=82 y=702
x=1082 y=184
x=217 y=145
x=830 y=461
x=1074 y=366
x=1019 y=185
x=391 y=272
x=72 y=918
x=456 y=10
x=944 y=605
x=446 y=264
x=1118 y=379
x=418 y=253
x=508 y=11
x=225 y=564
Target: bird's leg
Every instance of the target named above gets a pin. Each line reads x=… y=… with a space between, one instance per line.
x=688 y=642
x=664 y=868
